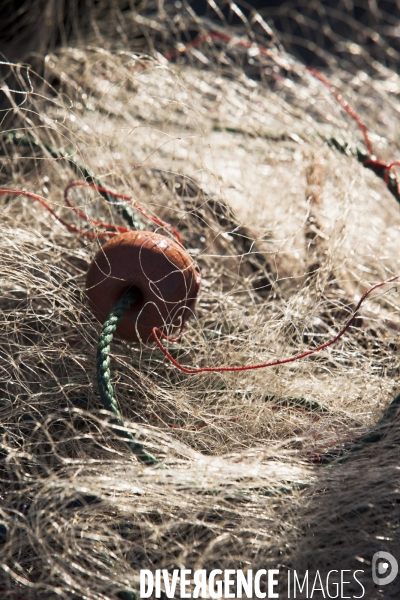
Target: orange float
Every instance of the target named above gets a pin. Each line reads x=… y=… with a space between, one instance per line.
x=161 y=272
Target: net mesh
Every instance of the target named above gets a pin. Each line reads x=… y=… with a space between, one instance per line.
x=209 y=121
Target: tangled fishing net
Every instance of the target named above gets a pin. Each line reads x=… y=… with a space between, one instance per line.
x=213 y=125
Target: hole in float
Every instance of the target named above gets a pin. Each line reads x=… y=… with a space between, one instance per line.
x=137 y=291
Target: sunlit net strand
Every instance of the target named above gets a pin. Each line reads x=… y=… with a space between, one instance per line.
x=121 y=477
x=112 y=229
x=234 y=41
x=157 y=333
x=115 y=229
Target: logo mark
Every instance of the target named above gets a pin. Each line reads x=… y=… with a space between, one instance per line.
x=384 y=563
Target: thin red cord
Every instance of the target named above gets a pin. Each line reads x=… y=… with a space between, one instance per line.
x=112 y=229
x=51 y=211
x=217 y=35
x=370 y=162
x=344 y=105
x=158 y=334
x=137 y=206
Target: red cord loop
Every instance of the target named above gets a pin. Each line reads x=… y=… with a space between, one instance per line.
x=111 y=229
x=128 y=199
x=43 y=202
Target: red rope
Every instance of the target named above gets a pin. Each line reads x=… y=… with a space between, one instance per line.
x=115 y=229
x=345 y=105
x=217 y=35
x=158 y=335
x=229 y=39
x=51 y=211
x=111 y=229
x=137 y=206
x=372 y=161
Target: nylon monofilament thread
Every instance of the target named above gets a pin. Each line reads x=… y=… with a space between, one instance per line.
x=371 y=162
x=106 y=390
x=61 y=153
x=158 y=335
x=111 y=230
x=375 y=435
x=117 y=229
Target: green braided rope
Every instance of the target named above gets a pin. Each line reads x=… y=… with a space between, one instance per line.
x=31 y=142
x=103 y=376
x=362 y=156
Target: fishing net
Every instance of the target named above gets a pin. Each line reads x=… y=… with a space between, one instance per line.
x=209 y=121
